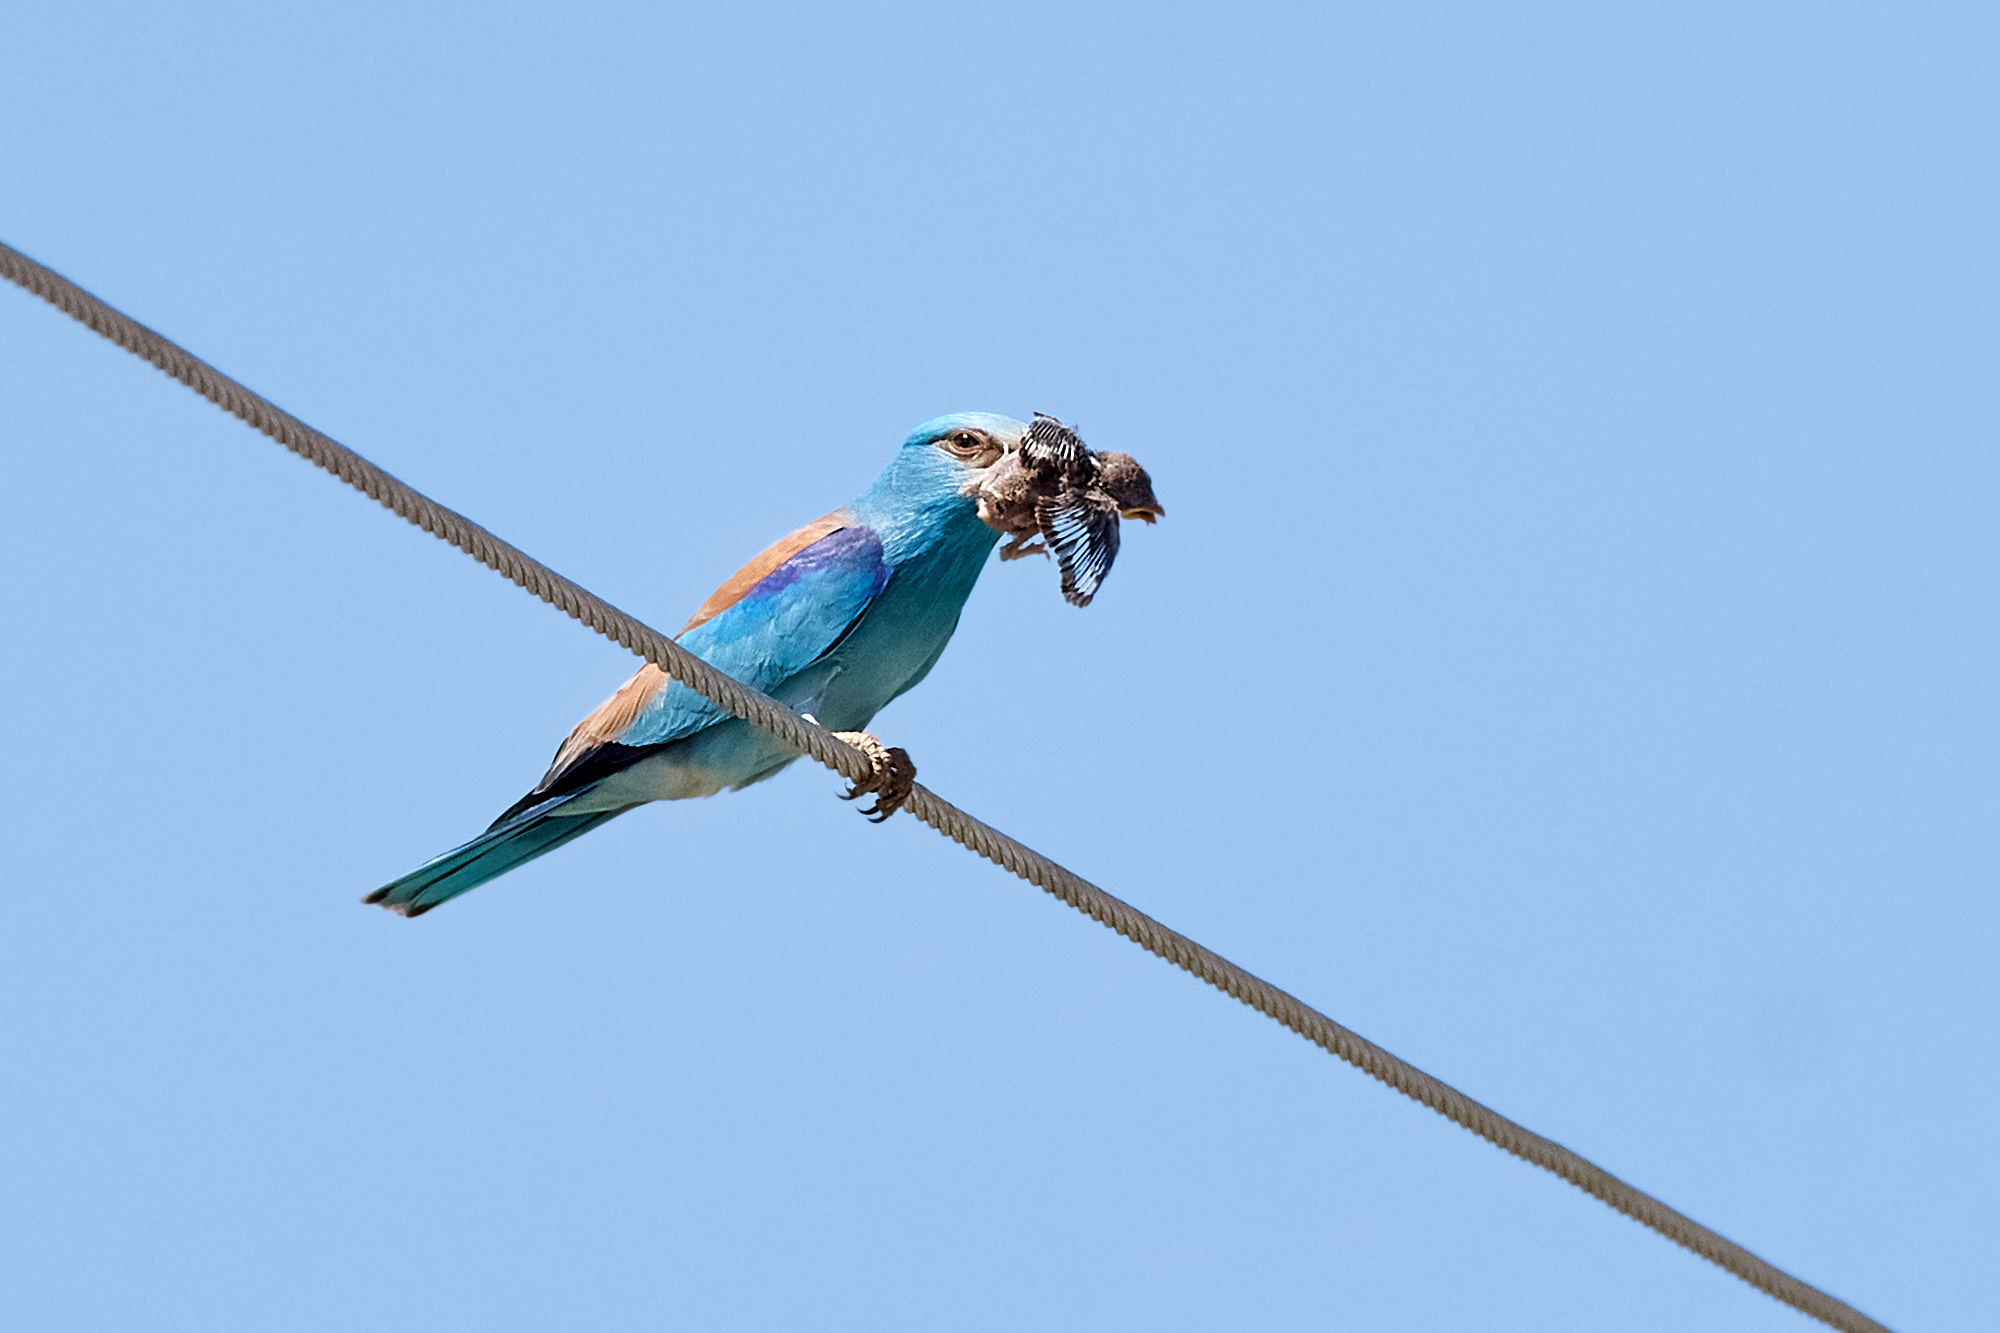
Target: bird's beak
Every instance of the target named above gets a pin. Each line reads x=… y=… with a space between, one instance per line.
x=1145 y=515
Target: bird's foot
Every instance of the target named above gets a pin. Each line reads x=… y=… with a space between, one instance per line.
x=893 y=775
x=1016 y=549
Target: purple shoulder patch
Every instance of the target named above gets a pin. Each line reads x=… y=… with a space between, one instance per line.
x=855 y=549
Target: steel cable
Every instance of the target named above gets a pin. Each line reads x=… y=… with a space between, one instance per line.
x=926 y=805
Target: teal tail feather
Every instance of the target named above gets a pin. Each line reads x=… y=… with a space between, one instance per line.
x=510 y=843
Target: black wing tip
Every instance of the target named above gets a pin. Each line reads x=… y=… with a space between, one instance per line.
x=399 y=909
x=380 y=898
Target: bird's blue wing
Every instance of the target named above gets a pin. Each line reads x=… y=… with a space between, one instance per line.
x=780 y=625
x=777 y=616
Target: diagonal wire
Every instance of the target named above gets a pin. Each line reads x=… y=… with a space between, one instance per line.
x=926 y=805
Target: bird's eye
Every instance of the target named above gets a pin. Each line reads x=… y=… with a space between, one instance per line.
x=975 y=447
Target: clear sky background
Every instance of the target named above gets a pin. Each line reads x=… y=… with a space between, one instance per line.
x=1568 y=659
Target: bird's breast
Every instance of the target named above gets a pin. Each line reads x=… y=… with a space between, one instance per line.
x=899 y=637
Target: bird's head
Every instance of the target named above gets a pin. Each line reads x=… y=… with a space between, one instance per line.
x=949 y=456
x=1129 y=487
x=972 y=440
x=935 y=476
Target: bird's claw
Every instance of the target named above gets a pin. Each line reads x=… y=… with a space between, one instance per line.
x=1017 y=549
x=892 y=774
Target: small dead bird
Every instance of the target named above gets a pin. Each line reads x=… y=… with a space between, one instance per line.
x=1049 y=460
x=1052 y=495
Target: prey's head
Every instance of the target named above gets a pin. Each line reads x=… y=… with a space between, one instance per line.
x=1120 y=477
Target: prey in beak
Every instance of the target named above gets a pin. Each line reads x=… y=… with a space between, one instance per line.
x=1052 y=495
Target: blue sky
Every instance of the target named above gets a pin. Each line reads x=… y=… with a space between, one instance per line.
x=1568 y=659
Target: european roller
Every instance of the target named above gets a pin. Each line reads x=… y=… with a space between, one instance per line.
x=833 y=621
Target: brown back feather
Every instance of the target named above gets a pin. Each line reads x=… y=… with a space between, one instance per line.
x=777 y=553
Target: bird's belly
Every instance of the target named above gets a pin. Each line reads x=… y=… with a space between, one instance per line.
x=657 y=778
x=730 y=754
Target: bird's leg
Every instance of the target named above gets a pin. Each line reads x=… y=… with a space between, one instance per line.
x=1017 y=547
x=893 y=774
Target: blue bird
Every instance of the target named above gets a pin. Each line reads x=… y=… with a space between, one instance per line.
x=833 y=621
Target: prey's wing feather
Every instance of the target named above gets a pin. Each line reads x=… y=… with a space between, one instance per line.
x=1051 y=445
x=1081 y=527
x=774 y=626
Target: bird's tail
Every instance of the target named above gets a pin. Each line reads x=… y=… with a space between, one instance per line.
x=511 y=842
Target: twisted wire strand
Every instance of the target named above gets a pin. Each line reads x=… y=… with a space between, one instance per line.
x=927 y=806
